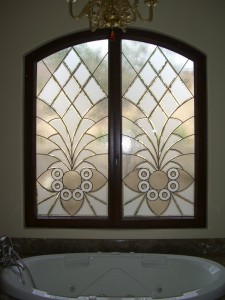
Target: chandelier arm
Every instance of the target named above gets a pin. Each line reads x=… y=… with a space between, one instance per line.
x=150 y=12
x=112 y=13
x=93 y=17
x=82 y=13
x=133 y=9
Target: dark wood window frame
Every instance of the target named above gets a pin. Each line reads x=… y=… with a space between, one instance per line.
x=115 y=219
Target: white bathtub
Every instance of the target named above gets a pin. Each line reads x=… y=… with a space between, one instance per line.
x=100 y=276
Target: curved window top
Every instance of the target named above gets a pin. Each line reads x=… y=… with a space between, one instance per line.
x=115 y=132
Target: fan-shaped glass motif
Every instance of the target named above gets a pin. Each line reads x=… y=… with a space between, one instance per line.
x=72 y=131
x=158 y=132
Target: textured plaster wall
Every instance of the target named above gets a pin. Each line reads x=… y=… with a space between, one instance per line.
x=27 y=24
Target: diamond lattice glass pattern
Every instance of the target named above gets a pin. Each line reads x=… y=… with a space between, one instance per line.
x=72 y=132
x=158 y=132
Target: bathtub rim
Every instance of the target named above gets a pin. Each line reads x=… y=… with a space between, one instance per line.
x=16 y=286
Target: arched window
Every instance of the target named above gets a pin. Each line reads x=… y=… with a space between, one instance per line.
x=115 y=132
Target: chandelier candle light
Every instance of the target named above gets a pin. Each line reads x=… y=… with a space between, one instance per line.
x=112 y=13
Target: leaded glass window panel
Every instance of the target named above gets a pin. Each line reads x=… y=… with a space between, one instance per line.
x=72 y=132
x=115 y=132
x=158 y=133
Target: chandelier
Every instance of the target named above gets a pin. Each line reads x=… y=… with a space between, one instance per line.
x=112 y=13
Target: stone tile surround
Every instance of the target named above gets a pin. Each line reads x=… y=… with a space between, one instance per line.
x=199 y=247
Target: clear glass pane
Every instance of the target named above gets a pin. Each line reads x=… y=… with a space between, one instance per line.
x=93 y=53
x=72 y=132
x=187 y=76
x=157 y=60
x=72 y=60
x=53 y=61
x=176 y=60
x=158 y=133
x=142 y=52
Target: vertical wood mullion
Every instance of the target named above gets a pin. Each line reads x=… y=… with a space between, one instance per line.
x=115 y=112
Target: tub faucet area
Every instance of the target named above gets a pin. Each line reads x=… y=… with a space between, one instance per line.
x=8 y=256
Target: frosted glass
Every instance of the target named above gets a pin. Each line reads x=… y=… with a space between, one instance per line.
x=72 y=89
x=180 y=91
x=93 y=53
x=135 y=91
x=94 y=91
x=148 y=74
x=158 y=89
x=82 y=74
x=169 y=104
x=141 y=51
x=83 y=104
x=72 y=132
x=158 y=60
x=158 y=133
x=43 y=75
x=44 y=129
x=176 y=60
x=53 y=61
x=50 y=91
x=61 y=104
x=168 y=74
x=72 y=60
x=187 y=75
x=62 y=75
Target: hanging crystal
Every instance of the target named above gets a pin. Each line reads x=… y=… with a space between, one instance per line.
x=112 y=13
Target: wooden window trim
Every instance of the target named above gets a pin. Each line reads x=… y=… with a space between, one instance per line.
x=115 y=211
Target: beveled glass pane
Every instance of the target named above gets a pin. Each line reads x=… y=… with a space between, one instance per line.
x=147 y=103
x=72 y=89
x=61 y=104
x=129 y=74
x=72 y=132
x=93 y=53
x=62 y=75
x=100 y=74
x=158 y=88
x=72 y=60
x=176 y=60
x=83 y=104
x=82 y=74
x=169 y=104
x=53 y=61
x=158 y=134
x=157 y=60
x=135 y=91
x=158 y=120
x=180 y=91
x=142 y=52
x=43 y=75
x=187 y=76
x=148 y=74
x=50 y=91
x=94 y=91
x=72 y=120
x=168 y=74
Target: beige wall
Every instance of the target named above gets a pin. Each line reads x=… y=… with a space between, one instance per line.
x=27 y=24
